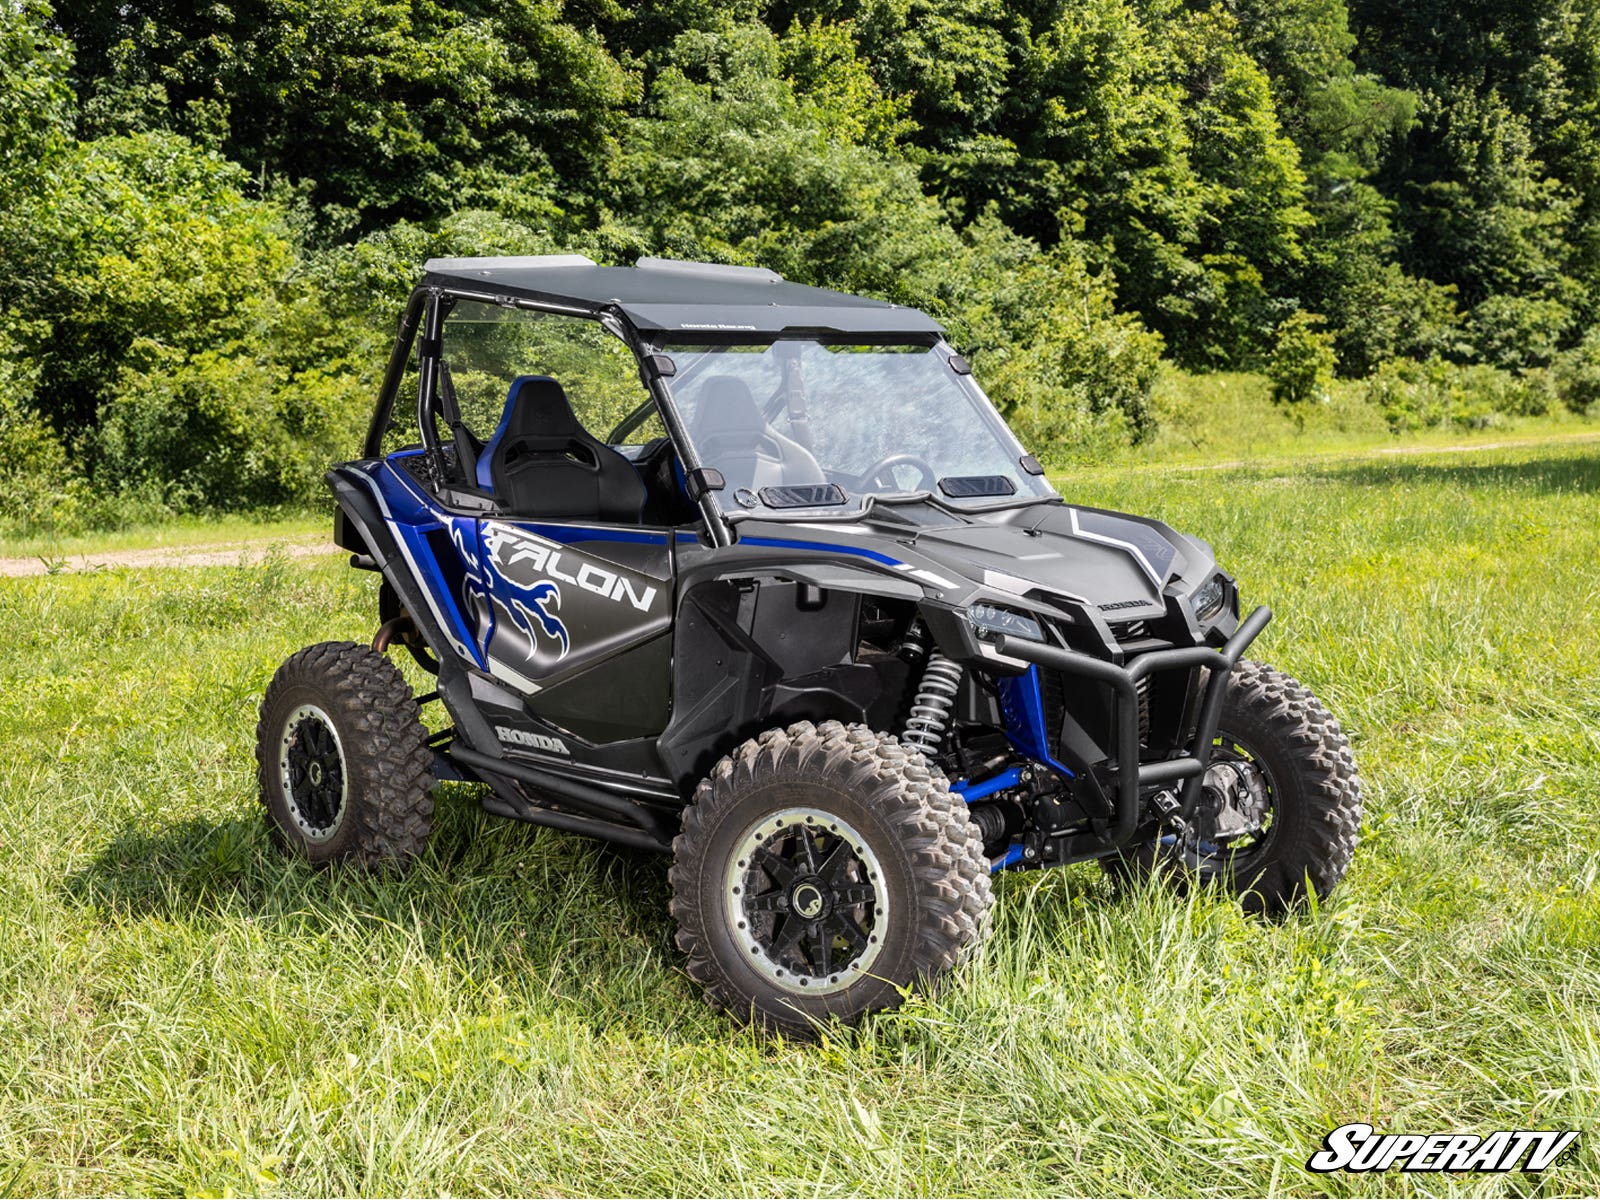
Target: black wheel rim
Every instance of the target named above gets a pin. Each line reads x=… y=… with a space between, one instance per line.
x=807 y=901
x=312 y=771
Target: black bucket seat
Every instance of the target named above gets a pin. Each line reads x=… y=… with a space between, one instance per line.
x=541 y=462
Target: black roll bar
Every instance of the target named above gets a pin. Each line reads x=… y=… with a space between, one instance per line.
x=1132 y=776
x=398 y=357
x=428 y=359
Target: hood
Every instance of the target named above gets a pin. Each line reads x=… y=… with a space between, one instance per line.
x=1101 y=580
x=1053 y=554
x=1120 y=565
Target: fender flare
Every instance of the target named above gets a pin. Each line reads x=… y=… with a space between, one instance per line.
x=352 y=493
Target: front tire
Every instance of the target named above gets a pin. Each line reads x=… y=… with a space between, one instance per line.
x=342 y=759
x=821 y=870
x=1284 y=766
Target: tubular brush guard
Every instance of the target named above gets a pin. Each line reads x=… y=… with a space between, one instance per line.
x=1132 y=775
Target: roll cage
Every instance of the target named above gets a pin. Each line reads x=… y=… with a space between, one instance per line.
x=640 y=306
x=426 y=312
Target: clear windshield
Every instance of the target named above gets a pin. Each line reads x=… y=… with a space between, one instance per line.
x=806 y=424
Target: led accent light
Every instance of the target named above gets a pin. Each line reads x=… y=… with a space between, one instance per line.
x=986 y=618
x=1210 y=599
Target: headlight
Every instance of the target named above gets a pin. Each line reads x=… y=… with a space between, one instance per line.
x=986 y=618
x=1210 y=599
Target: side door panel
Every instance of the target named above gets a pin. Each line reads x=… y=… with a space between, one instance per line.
x=578 y=619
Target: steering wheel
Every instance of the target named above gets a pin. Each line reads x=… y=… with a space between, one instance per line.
x=874 y=474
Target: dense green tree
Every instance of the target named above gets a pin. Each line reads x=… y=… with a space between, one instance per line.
x=36 y=116
x=1070 y=373
x=1572 y=146
x=1343 y=122
x=729 y=163
x=35 y=103
x=150 y=241
x=954 y=60
x=823 y=63
x=733 y=163
x=35 y=126
x=1144 y=127
x=379 y=108
x=1148 y=130
x=1482 y=205
x=212 y=210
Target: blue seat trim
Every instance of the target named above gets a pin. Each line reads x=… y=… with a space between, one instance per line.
x=485 y=479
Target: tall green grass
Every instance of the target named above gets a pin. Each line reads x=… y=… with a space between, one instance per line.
x=1229 y=417
x=182 y=1010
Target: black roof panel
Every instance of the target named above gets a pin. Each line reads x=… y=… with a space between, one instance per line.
x=661 y=295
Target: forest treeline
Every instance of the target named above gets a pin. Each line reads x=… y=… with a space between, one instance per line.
x=211 y=212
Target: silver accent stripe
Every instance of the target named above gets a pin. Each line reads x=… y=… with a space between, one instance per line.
x=1106 y=540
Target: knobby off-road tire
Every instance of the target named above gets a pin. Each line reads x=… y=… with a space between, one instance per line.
x=1314 y=794
x=880 y=822
x=342 y=759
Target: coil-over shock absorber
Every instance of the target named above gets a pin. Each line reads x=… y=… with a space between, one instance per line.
x=930 y=710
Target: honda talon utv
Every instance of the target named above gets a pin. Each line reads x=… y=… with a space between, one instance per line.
x=753 y=574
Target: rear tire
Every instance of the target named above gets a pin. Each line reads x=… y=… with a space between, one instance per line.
x=821 y=870
x=342 y=759
x=1272 y=723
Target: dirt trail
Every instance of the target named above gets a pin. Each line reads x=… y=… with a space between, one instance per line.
x=220 y=554
x=1508 y=444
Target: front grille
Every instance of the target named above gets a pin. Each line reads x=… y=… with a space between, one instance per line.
x=1053 y=694
x=1093 y=705
x=1134 y=631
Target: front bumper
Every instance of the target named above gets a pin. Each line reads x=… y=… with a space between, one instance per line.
x=1132 y=776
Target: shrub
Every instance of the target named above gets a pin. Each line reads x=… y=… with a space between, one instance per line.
x=1575 y=374
x=44 y=490
x=219 y=430
x=1071 y=374
x=1518 y=331
x=44 y=493
x=1302 y=361
x=1419 y=395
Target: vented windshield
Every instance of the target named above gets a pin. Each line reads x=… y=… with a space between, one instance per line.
x=817 y=425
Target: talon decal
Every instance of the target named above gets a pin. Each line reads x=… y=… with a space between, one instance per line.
x=523 y=589
x=528 y=604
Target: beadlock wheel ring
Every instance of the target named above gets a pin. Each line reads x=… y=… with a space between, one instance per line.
x=806 y=901
x=312 y=773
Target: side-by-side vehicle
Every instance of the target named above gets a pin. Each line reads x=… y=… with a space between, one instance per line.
x=753 y=573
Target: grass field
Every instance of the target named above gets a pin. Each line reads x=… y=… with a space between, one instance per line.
x=183 y=1011
x=1229 y=416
